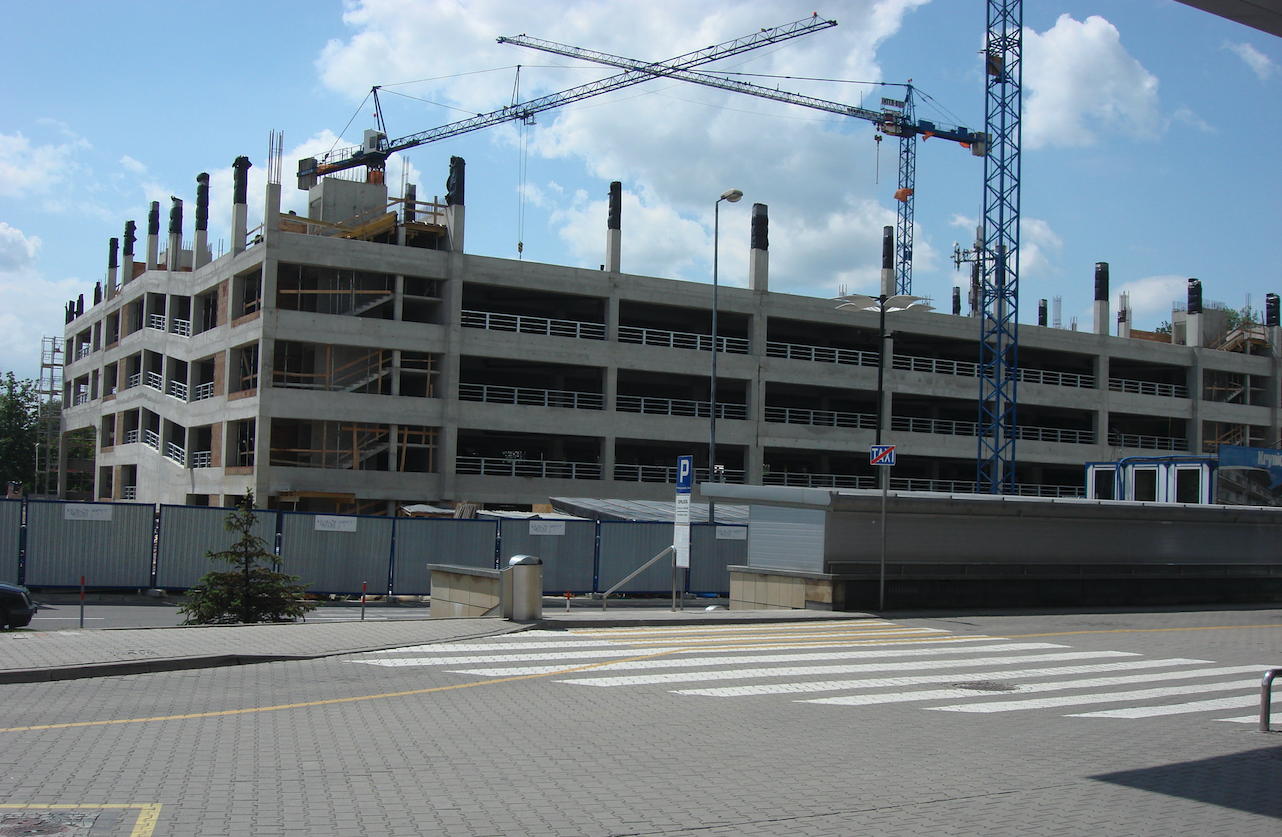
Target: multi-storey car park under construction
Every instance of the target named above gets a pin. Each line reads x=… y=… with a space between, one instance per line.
x=359 y=360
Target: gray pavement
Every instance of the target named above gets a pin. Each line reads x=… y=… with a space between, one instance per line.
x=939 y=724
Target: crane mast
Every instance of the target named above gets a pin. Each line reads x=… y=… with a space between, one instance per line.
x=896 y=118
x=376 y=148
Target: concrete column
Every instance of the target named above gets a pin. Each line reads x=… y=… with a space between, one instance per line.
x=153 y=236
x=111 y=268
x=271 y=212
x=240 y=203
x=754 y=462
x=607 y=457
x=175 y=254
x=1273 y=388
x=611 y=383
x=888 y=261
x=1194 y=434
x=1101 y=298
x=454 y=201
x=888 y=346
x=127 y=258
x=1101 y=372
x=759 y=252
x=454 y=217
x=613 y=231
x=200 y=255
x=612 y=316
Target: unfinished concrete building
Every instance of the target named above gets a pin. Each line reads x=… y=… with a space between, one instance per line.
x=358 y=359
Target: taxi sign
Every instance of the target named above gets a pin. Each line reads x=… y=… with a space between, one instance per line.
x=881 y=454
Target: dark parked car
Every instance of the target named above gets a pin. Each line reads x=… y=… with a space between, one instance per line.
x=16 y=607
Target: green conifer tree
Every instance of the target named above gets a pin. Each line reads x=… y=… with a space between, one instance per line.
x=252 y=591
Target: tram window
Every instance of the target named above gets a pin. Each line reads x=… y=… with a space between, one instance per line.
x=1188 y=485
x=1146 y=484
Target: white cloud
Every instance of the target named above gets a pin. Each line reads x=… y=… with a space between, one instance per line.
x=27 y=169
x=30 y=304
x=132 y=165
x=1080 y=81
x=674 y=146
x=1038 y=245
x=1260 y=64
x=17 y=251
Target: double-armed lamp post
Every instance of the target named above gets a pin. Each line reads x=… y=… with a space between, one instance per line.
x=729 y=196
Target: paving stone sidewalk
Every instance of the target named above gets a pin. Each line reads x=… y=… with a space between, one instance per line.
x=37 y=656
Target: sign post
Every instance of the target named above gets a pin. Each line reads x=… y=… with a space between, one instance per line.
x=681 y=523
x=882 y=455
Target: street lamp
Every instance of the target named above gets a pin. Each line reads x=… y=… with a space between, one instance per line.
x=729 y=196
x=883 y=304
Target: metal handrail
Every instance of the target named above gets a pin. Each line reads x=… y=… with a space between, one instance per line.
x=1266 y=697
x=634 y=574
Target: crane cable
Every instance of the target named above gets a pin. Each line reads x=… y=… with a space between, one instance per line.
x=521 y=166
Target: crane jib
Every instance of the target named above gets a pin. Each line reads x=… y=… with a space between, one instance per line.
x=347 y=158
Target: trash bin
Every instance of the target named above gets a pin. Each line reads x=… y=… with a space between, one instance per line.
x=527 y=587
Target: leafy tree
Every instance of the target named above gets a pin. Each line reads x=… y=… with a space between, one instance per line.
x=1164 y=328
x=1244 y=319
x=19 y=414
x=250 y=592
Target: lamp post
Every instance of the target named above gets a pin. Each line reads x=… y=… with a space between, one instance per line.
x=729 y=196
x=883 y=305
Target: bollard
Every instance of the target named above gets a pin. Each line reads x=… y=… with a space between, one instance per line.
x=527 y=587
x=568 y=596
x=82 y=602
x=1266 y=697
x=364 y=586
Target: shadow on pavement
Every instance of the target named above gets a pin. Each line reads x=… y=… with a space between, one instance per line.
x=1247 y=781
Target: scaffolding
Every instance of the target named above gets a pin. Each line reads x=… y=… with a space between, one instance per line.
x=49 y=418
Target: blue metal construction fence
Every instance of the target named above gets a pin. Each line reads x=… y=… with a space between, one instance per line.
x=128 y=545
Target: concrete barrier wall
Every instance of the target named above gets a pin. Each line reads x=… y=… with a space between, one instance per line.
x=10 y=539
x=189 y=533
x=422 y=541
x=108 y=543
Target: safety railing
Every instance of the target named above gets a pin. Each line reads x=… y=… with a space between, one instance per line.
x=131 y=437
x=154 y=380
x=180 y=327
x=129 y=492
x=668 y=474
x=821 y=418
x=203 y=391
x=938 y=366
x=134 y=380
x=178 y=390
x=79 y=398
x=798 y=479
x=678 y=407
x=83 y=351
x=944 y=427
x=1136 y=440
x=526 y=397
x=533 y=325
x=1055 y=434
x=537 y=468
x=820 y=354
x=176 y=453
x=1056 y=379
x=202 y=459
x=634 y=574
x=683 y=340
x=151 y=439
x=156 y=321
x=1148 y=388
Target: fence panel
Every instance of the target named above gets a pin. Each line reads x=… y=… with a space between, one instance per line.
x=626 y=546
x=568 y=550
x=335 y=553
x=108 y=543
x=421 y=541
x=187 y=533
x=10 y=533
x=712 y=550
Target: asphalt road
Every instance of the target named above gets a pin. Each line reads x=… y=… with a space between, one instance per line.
x=1098 y=724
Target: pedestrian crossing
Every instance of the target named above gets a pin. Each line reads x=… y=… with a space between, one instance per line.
x=858 y=663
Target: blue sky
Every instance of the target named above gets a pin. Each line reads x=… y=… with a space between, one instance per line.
x=1150 y=138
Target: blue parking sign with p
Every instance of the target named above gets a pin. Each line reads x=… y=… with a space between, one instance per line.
x=685 y=474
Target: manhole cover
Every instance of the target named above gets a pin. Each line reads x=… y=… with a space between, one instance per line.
x=987 y=686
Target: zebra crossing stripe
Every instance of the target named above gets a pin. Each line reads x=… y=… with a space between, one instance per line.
x=519 y=645
x=730 y=629
x=1080 y=700
x=1275 y=718
x=1183 y=709
x=925 y=679
x=685 y=659
x=913 y=665
x=1054 y=686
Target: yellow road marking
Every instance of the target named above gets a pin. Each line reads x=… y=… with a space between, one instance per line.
x=1141 y=630
x=148 y=812
x=330 y=701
